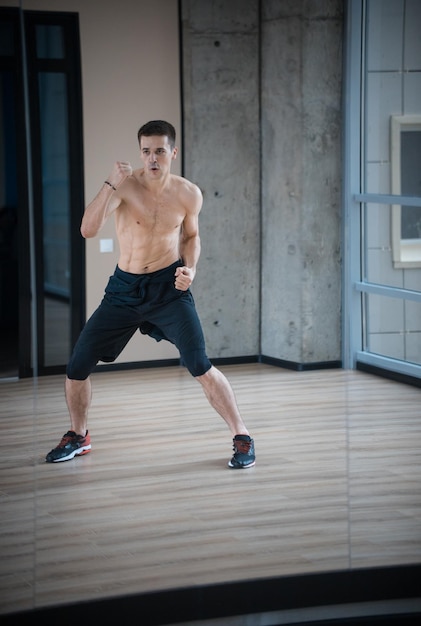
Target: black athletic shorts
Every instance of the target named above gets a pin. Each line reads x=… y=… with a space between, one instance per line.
x=150 y=303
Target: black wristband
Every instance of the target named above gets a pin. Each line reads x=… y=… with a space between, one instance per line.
x=108 y=183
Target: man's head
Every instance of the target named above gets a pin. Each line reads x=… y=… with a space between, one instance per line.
x=157 y=148
x=159 y=128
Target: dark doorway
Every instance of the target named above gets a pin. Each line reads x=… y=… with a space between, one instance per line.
x=41 y=191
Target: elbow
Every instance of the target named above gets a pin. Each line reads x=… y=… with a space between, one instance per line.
x=89 y=228
x=86 y=232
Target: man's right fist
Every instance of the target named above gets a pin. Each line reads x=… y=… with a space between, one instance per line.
x=121 y=170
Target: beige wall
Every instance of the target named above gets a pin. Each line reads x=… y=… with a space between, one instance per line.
x=130 y=74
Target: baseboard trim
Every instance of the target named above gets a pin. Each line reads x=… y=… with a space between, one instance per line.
x=135 y=365
x=391 y=375
x=300 y=367
x=236 y=360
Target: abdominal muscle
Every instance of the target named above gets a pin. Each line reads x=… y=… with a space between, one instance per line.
x=148 y=232
x=148 y=253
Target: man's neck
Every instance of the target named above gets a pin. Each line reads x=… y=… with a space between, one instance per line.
x=155 y=186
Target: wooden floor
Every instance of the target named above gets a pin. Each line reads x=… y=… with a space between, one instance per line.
x=337 y=483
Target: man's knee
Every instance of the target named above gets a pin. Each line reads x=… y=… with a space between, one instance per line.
x=208 y=376
x=196 y=362
x=78 y=369
x=75 y=374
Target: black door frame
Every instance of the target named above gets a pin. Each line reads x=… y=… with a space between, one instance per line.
x=71 y=66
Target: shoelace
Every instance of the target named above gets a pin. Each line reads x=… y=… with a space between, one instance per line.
x=242 y=446
x=67 y=438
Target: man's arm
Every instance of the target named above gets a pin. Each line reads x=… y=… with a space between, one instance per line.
x=105 y=202
x=189 y=241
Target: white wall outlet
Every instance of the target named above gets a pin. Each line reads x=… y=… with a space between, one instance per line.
x=106 y=245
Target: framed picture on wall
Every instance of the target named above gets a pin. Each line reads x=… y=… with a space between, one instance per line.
x=406 y=181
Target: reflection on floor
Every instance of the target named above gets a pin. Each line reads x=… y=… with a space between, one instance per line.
x=153 y=507
x=56 y=339
x=8 y=353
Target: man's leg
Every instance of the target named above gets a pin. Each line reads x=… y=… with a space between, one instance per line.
x=94 y=341
x=103 y=338
x=181 y=325
x=77 y=441
x=78 y=398
x=221 y=396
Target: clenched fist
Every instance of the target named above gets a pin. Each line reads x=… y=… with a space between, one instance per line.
x=183 y=278
x=121 y=170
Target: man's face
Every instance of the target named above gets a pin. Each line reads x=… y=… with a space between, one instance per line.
x=156 y=155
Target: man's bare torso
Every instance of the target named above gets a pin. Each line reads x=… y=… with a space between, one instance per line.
x=148 y=224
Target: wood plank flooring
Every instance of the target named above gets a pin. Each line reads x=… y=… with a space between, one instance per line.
x=337 y=483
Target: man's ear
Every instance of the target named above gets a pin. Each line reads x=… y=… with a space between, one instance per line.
x=174 y=153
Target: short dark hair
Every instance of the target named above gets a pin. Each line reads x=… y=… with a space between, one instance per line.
x=158 y=127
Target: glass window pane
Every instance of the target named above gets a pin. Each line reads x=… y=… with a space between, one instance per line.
x=50 y=42
x=9 y=233
x=388 y=257
x=56 y=214
x=384 y=81
x=7 y=39
x=378 y=266
x=411 y=182
x=393 y=328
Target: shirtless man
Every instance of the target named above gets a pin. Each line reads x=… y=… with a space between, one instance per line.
x=157 y=224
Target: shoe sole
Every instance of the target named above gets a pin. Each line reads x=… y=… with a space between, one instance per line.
x=79 y=452
x=241 y=466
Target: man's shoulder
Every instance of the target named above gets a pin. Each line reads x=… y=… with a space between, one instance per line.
x=188 y=192
x=185 y=185
x=180 y=180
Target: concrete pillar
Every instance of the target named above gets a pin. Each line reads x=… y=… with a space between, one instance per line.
x=221 y=154
x=301 y=179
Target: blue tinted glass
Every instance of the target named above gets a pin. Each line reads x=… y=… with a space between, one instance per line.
x=7 y=40
x=411 y=183
x=8 y=158
x=50 y=43
x=55 y=181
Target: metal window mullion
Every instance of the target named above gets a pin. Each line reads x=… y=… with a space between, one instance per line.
x=374 y=198
x=351 y=224
x=389 y=292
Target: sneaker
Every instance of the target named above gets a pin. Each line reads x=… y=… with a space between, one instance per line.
x=70 y=445
x=244 y=455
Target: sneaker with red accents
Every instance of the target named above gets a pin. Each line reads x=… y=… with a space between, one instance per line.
x=71 y=445
x=244 y=455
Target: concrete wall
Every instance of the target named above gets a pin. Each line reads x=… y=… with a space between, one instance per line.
x=221 y=135
x=301 y=179
x=262 y=98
